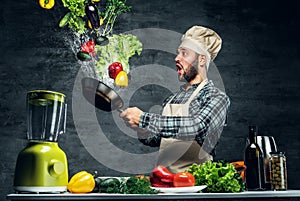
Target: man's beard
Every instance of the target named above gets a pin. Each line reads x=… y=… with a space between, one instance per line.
x=191 y=72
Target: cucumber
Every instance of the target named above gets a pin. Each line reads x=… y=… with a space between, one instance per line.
x=83 y=56
x=64 y=21
x=110 y=182
x=110 y=185
x=101 y=40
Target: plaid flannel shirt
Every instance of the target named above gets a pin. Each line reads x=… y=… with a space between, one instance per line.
x=208 y=112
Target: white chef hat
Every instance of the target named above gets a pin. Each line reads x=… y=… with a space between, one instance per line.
x=202 y=40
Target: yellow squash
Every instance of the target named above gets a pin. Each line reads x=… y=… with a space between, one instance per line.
x=47 y=4
x=90 y=24
x=81 y=182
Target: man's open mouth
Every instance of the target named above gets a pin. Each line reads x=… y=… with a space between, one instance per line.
x=179 y=66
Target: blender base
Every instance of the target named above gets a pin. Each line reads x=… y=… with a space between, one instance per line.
x=41 y=189
x=41 y=167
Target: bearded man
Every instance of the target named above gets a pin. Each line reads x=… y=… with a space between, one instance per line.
x=189 y=127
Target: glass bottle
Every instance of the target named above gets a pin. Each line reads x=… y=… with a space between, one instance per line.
x=254 y=161
x=278 y=171
x=267 y=144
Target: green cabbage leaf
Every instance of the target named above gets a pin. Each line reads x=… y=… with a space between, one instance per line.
x=119 y=49
x=220 y=177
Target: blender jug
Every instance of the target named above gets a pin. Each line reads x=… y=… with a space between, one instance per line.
x=46 y=115
x=267 y=145
x=42 y=166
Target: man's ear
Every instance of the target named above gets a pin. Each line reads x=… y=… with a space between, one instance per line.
x=201 y=60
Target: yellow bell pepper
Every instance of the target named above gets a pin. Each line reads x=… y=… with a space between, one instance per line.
x=47 y=4
x=81 y=182
x=121 y=79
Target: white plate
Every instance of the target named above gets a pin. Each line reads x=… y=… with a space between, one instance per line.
x=192 y=189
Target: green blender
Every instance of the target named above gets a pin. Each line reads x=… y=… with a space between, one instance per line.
x=42 y=165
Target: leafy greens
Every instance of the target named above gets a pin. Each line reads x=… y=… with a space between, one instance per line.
x=137 y=186
x=77 y=11
x=112 y=10
x=220 y=177
x=122 y=185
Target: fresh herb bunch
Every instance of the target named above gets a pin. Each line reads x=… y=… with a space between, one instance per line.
x=112 y=10
x=77 y=11
x=137 y=186
x=122 y=185
x=220 y=177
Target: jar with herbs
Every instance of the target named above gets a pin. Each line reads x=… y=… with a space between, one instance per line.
x=278 y=171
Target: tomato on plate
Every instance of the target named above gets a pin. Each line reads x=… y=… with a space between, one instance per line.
x=184 y=179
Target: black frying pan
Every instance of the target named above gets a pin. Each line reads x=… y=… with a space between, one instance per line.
x=100 y=95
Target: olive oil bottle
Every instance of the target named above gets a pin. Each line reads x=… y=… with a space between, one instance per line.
x=254 y=174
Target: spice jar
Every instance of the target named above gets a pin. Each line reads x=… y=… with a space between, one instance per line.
x=278 y=171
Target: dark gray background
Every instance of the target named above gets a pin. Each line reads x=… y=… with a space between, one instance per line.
x=259 y=65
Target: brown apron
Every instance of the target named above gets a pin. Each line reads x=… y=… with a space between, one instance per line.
x=175 y=154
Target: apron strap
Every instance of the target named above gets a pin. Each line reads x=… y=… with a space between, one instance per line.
x=201 y=85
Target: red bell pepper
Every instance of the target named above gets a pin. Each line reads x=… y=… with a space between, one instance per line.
x=156 y=182
x=114 y=69
x=163 y=173
x=89 y=47
x=161 y=177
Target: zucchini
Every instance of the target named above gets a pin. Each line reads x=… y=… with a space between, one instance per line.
x=64 y=21
x=83 y=56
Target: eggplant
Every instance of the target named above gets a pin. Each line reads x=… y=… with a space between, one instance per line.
x=91 y=12
x=97 y=185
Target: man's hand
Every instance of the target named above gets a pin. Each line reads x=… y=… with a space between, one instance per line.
x=131 y=116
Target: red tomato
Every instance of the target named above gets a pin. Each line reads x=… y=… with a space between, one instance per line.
x=93 y=53
x=88 y=46
x=184 y=179
x=114 y=69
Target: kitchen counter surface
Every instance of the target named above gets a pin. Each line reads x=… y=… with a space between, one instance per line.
x=253 y=195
